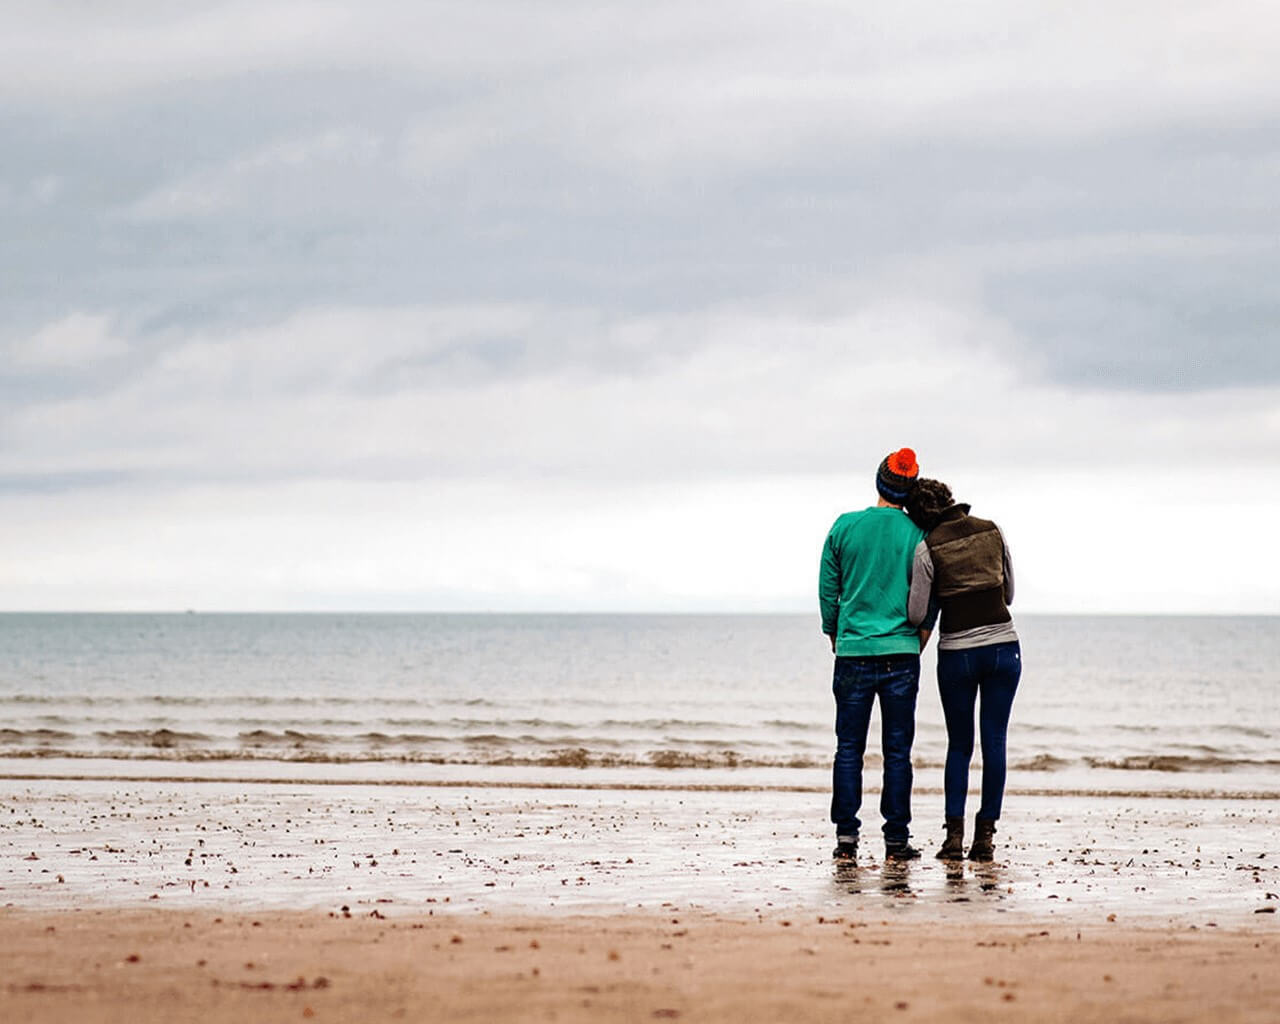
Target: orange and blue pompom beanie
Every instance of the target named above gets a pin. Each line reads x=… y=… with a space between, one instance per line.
x=897 y=475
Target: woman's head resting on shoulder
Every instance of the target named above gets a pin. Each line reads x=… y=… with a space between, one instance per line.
x=927 y=501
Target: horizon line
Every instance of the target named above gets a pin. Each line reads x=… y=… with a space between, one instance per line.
x=566 y=612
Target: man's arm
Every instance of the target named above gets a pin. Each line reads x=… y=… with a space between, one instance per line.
x=829 y=590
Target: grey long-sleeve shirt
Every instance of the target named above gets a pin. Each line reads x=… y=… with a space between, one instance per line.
x=922 y=588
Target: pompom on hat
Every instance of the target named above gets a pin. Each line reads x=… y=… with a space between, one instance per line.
x=897 y=475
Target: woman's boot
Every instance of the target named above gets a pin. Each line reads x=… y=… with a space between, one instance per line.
x=982 y=848
x=953 y=846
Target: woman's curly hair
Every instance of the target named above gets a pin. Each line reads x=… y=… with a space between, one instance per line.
x=927 y=501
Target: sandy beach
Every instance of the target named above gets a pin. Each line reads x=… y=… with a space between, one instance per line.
x=210 y=900
x=167 y=965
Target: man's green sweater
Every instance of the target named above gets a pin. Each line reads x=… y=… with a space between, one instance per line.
x=865 y=581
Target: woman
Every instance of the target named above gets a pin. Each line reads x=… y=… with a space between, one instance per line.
x=963 y=565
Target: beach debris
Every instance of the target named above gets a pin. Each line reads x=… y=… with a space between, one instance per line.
x=665 y=1014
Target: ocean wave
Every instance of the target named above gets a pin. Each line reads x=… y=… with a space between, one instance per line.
x=152 y=737
x=264 y=737
x=235 y=700
x=560 y=747
x=1041 y=763
x=34 y=735
x=1179 y=762
x=140 y=748
x=452 y=725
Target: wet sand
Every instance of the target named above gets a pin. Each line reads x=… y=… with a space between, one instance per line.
x=218 y=845
x=643 y=905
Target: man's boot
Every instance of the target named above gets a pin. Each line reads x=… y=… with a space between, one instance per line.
x=953 y=846
x=846 y=848
x=983 y=831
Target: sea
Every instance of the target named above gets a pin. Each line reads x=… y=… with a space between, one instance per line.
x=1168 y=706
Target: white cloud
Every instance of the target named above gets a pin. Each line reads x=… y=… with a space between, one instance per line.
x=272 y=473
x=75 y=342
x=1085 y=542
x=409 y=391
x=1055 y=68
x=118 y=48
x=1165 y=540
x=294 y=176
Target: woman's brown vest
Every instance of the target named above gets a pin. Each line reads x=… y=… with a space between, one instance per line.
x=968 y=570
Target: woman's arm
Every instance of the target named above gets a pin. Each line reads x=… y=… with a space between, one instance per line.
x=921 y=585
x=1008 y=570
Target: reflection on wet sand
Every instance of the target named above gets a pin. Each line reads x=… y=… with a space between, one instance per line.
x=848 y=876
x=893 y=878
x=963 y=877
x=964 y=881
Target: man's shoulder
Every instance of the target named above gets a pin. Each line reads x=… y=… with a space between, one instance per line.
x=880 y=519
x=849 y=521
x=849 y=517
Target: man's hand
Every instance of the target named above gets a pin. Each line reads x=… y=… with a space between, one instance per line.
x=832 y=638
x=924 y=638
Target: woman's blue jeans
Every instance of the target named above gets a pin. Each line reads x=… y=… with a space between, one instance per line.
x=895 y=679
x=992 y=671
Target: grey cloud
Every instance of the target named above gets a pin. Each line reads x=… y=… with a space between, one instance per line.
x=581 y=159
x=1180 y=324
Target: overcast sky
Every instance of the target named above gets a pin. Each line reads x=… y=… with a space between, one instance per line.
x=609 y=306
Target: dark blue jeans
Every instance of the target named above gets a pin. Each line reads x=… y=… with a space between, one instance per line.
x=895 y=679
x=993 y=672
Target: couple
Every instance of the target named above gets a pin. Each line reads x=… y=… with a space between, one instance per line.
x=886 y=573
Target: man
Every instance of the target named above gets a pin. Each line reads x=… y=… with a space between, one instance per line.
x=863 y=588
